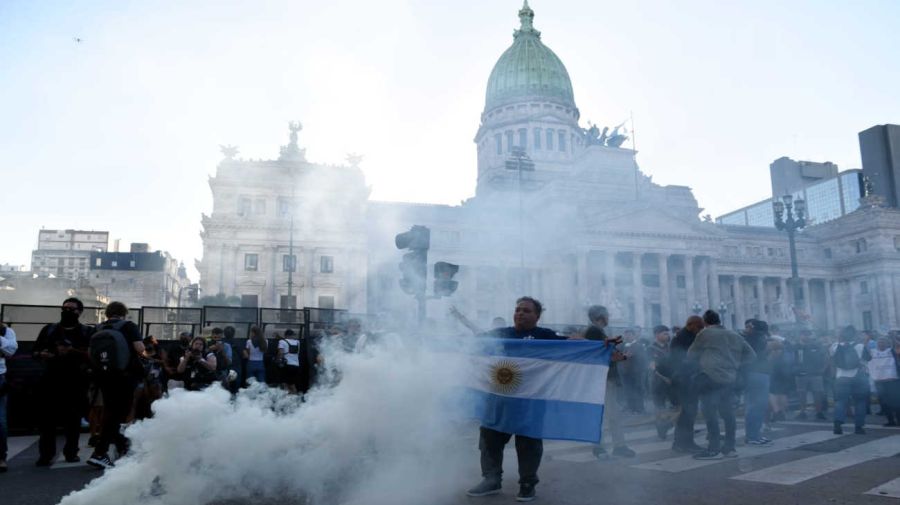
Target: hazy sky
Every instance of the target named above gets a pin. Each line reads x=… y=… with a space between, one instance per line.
x=120 y=131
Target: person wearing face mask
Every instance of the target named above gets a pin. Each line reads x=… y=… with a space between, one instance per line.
x=62 y=349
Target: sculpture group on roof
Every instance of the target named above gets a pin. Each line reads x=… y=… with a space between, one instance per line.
x=594 y=137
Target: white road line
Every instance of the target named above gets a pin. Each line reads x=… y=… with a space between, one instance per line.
x=18 y=444
x=846 y=426
x=561 y=445
x=684 y=463
x=890 y=489
x=804 y=469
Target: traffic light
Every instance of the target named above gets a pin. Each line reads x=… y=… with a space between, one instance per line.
x=444 y=285
x=414 y=265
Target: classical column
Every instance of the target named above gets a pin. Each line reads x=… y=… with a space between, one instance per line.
x=689 y=283
x=272 y=252
x=637 y=280
x=761 y=297
x=886 y=289
x=665 y=308
x=739 y=312
x=309 y=256
x=785 y=301
x=807 y=296
x=581 y=265
x=609 y=260
x=715 y=297
x=853 y=312
x=829 y=305
x=223 y=255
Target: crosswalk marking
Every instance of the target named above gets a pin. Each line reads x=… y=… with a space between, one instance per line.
x=890 y=489
x=18 y=444
x=559 y=445
x=684 y=463
x=804 y=469
x=822 y=424
x=84 y=452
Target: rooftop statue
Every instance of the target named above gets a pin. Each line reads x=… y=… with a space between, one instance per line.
x=616 y=139
x=292 y=152
x=229 y=151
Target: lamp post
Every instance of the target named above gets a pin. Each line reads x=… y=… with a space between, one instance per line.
x=723 y=309
x=790 y=216
x=697 y=308
x=520 y=161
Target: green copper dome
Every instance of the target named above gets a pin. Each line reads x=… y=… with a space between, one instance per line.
x=528 y=70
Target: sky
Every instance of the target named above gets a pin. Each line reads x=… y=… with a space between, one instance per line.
x=112 y=112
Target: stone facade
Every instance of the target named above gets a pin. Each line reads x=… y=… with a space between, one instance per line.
x=65 y=253
x=585 y=226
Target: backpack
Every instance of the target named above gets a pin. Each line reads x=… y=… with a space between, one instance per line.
x=109 y=349
x=846 y=358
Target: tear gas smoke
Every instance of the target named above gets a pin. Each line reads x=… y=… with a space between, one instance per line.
x=384 y=433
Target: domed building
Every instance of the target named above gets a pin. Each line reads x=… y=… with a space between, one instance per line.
x=561 y=212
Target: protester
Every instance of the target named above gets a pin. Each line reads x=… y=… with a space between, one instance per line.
x=62 y=390
x=718 y=354
x=198 y=366
x=289 y=361
x=598 y=316
x=781 y=382
x=756 y=383
x=224 y=355
x=151 y=388
x=661 y=380
x=114 y=350
x=810 y=364
x=683 y=373
x=8 y=347
x=172 y=359
x=491 y=442
x=851 y=379
x=634 y=372
x=254 y=353
x=883 y=370
x=234 y=376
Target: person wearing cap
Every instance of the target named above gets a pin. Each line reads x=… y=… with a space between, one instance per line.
x=289 y=361
x=61 y=394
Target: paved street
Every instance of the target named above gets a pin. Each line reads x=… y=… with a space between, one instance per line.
x=806 y=464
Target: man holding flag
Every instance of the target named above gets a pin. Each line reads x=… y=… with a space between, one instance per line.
x=534 y=389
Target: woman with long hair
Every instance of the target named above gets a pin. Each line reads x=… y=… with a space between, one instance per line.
x=254 y=353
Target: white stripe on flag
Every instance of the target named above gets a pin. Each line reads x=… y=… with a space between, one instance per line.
x=543 y=379
x=794 y=472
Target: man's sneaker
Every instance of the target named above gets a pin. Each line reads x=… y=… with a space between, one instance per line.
x=485 y=488
x=708 y=455
x=526 y=492
x=600 y=453
x=100 y=461
x=759 y=441
x=43 y=462
x=859 y=430
x=624 y=452
x=838 y=430
x=729 y=454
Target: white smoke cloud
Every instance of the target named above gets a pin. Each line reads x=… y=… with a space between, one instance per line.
x=388 y=432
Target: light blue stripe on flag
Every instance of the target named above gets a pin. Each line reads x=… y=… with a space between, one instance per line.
x=542 y=388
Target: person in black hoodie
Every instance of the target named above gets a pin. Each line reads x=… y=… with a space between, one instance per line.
x=810 y=364
x=756 y=380
x=62 y=349
x=682 y=383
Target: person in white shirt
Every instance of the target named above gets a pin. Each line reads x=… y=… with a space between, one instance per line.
x=8 y=347
x=851 y=379
x=289 y=358
x=883 y=370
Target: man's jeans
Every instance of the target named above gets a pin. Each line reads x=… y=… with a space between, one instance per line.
x=856 y=388
x=687 y=399
x=757 y=398
x=4 y=429
x=529 y=450
x=714 y=403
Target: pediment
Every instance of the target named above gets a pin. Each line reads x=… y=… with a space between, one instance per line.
x=650 y=221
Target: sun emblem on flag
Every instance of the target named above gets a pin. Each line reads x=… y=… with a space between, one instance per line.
x=506 y=376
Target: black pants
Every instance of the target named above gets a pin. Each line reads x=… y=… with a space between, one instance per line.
x=59 y=405
x=719 y=401
x=529 y=450
x=889 y=398
x=684 y=427
x=118 y=392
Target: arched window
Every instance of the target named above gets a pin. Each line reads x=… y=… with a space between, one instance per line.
x=509 y=140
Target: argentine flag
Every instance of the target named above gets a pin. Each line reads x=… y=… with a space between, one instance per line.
x=553 y=389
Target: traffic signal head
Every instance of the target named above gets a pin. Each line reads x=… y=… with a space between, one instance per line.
x=418 y=237
x=414 y=269
x=444 y=285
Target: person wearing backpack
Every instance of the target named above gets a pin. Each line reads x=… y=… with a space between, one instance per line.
x=289 y=355
x=61 y=393
x=851 y=379
x=8 y=347
x=115 y=350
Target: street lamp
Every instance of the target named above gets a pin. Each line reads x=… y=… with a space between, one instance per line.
x=697 y=308
x=790 y=216
x=519 y=161
x=723 y=309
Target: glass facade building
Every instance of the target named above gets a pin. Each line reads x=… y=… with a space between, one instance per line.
x=825 y=200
